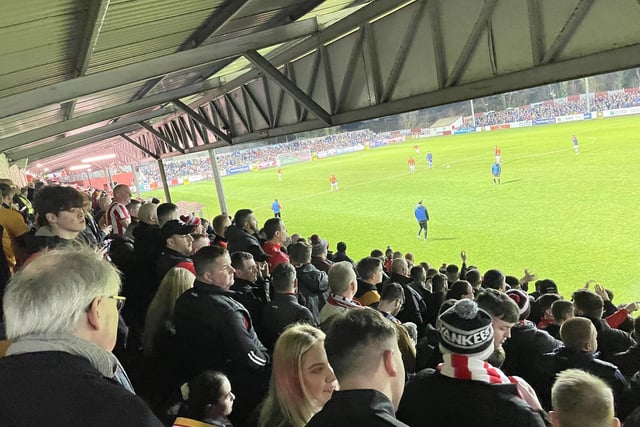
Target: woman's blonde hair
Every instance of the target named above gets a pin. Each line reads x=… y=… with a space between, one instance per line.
x=160 y=311
x=288 y=403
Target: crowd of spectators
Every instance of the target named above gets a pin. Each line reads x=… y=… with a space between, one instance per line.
x=262 y=327
x=270 y=155
x=554 y=108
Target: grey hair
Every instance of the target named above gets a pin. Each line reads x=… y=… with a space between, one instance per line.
x=52 y=292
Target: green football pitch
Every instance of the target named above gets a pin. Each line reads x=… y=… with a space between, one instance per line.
x=564 y=216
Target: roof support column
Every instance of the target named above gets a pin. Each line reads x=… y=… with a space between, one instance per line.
x=222 y=201
x=163 y=178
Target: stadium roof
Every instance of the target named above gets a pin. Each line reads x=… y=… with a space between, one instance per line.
x=162 y=77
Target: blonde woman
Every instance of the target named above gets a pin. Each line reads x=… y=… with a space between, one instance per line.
x=159 y=320
x=302 y=380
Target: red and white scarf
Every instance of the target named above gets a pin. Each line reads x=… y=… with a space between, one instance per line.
x=340 y=301
x=464 y=368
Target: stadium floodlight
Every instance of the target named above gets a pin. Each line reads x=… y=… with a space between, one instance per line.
x=79 y=167
x=98 y=158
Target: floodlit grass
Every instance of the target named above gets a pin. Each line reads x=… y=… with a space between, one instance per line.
x=564 y=216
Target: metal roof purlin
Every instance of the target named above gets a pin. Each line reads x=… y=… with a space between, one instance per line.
x=202 y=120
x=86 y=85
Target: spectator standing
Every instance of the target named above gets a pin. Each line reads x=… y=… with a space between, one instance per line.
x=362 y=348
x=117 y=215
x=213 y=331
x=276 y=234
x=313 y=284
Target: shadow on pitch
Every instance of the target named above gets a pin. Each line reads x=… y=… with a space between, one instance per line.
x=511 y=181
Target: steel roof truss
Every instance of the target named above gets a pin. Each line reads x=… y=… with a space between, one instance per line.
x=161 y=136
x=567 y=31
x=536 y=30
x=437 y=44
x=315 y=66
x=140 y=146
x=245 y=104
x=348 y=74
x=471 y=43
x=371 y=64
x=403 y=51
x=265 y=66
x=256 y=104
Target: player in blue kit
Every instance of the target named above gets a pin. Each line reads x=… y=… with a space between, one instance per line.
x=575 y=143
x=496 y=170
x=430 y=159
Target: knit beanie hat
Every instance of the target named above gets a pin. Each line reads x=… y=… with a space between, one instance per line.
x=522 y=299
x=466 y=329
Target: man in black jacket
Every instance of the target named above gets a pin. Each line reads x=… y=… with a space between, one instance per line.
x=284 y=309
x=250 y=287
x=580 y=339
x=313 y=284
x=610 y=341
x=177 y=248
x=242 y=235
x=214 y=331
x=362 y=348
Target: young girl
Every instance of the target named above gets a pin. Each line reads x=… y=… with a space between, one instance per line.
x=209 y=401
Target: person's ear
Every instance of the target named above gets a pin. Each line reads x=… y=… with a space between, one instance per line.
x=553 y=418
x=51 y=217
x=389 y=363
x=616 y=422
x=295 y=284
x=94 y=313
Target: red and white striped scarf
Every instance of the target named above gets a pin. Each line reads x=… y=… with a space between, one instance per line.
x=464 y=368
x=340 y=301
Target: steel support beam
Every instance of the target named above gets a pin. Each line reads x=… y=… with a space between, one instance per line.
x=278 y=78
x=126 y=123
x=106 y=114
x=222 y=201
x=139 y=146
x=165 y=185
x=536 y=30
x=472 y=42
x=71 y=142
x=438 y=47
x=144 y=70
x=97 y=13
x=403 y=51
x=159 y=135
x=567 y=30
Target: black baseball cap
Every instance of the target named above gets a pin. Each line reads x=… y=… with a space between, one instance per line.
x=173 y=227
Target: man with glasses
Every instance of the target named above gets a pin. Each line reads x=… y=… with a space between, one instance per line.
x=213 y=331
x=61 y=313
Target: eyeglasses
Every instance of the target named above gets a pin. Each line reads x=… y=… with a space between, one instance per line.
x=119 y=301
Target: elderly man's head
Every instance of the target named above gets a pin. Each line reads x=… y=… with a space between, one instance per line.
x=70 y=291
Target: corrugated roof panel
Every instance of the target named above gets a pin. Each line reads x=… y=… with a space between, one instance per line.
x=29 y=120
x=106 y=98
x=20 y=81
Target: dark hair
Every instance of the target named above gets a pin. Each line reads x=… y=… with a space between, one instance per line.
x=499 y=305
x=377 y=253
x=588 y=302
x=204 y=389
x=53 y=199
x=206 y=256
x=561 y=309
x=418 y=274
x=5 y=189
x=238 y=259
x=458 y=288
x=439 y=283
x=545 y=301
x=341 y=247
x=473 y=276
x=452 y=268
x=300 y=252
x=349 y=335
x=367 y=266
x=165 y=210
x=393 y=292
x=512 y=281
x=493 y=279
x=283 y=276
x=271 y=226
x=241 y=217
